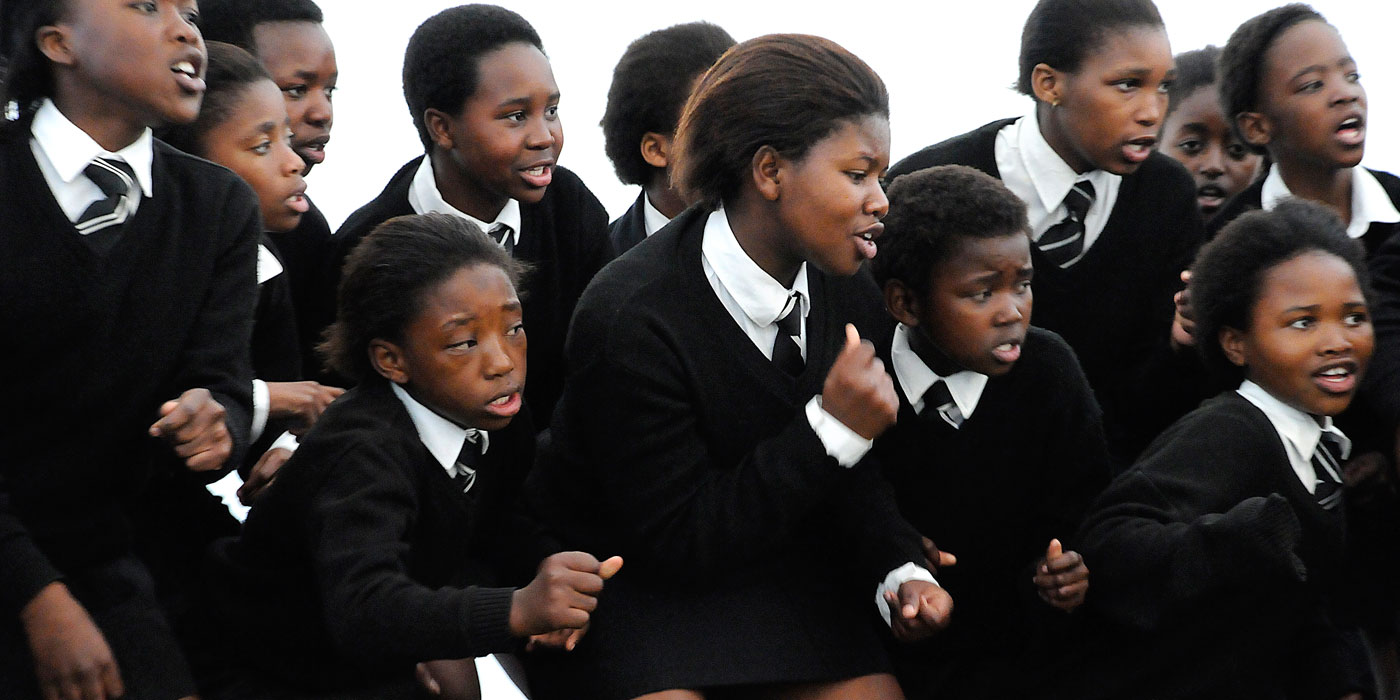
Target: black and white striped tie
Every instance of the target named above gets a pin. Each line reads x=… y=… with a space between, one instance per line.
x=501 y=234
x=464 y=471
x=787 y=344
x=100 y=224
x=1327 y=462
x=938 y=401
x=1063 y=243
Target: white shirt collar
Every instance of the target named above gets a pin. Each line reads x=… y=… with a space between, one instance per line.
x=1051 y=176
x=70 y=149
x=915 y=377
x=1369 y=201
x=1299 y=431
x=443 y=438
x=761 y=297
x=268 y=264
x=424 y=197
x=652 y=217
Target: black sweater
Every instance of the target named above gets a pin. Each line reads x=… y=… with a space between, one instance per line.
x=308 y=253
x=363 y=557
x=1213 y=567
x=564 y=238
x=99 y=343
x=630 y=228
x=1114 y=306
x=1251 y=198
x=1019 y=472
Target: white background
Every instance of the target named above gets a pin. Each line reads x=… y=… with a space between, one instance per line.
x=948 y=66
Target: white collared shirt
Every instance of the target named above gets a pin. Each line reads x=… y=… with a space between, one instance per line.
x=652 y=218
x=424 y=197
x=1299 y=431
x=63 y=151
x=1033 y=171
x=1369 y=201
x=443 y=438
x=915 y=377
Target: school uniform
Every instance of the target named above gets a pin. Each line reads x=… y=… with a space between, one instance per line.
x=753 y=547
x=1374 y=197
x=641 y=220
x=103 y=331
x=1114 y=304
x=1021 y=467
x=1215 y=564
x=563 y=237
x=366 y=556
x=308 y=255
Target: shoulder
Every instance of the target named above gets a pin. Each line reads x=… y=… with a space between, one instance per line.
x=568 y=193
x=974 y=148
x=1224 y=429
x=1161 y=177
x=1390 y=182
x=194 y=175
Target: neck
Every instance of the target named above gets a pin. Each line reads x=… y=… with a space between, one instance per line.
x=754 y=222
x=109 y=128
x=930 y=354
x=1053 y=133
x=1331 y=186
x=455 y=189
x=663 y=197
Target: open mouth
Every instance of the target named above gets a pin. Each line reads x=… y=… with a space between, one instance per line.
x=1352 y=131
x=187 y=75
x=539 y=174
x=505 y=405
x=1339 y=378
x=1210 y=196
x=298 y=202
x=1008 y=352
x=1138 y=149
x=313 y=150
x=865 y=240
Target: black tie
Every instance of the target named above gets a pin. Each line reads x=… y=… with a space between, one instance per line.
x=787 y=353
x=938 y=401
x=1327 y=462
x=1063 y=243
x=102 y=221
x=464 y=473
x=501 y=234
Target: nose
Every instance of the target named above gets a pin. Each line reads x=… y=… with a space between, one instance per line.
x=1336 y=339
x=181 y=28
x=292 y=164
x=1151 y=109
x=1212 y=162
x=319 y=112
x=1009 y=312
x=1348 y=92
x=877 y=204
x=541 y=134
x=498 y=361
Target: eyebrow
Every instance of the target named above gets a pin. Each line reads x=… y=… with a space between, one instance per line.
x=1311 y=308
x=522 y=101
x=458 y=321
x=1317 y=67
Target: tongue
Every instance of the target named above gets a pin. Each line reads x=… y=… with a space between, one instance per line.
x=866 y=248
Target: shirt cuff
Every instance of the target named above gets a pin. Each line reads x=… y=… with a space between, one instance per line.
x=846 y=445
x=286 y=441
x=262 y=402
x=895 y=579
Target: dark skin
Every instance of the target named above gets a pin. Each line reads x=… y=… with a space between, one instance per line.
x=656 y=151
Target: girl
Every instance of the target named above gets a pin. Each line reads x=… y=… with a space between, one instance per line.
x=1114 y=222
x=244 y=127
x=1224 y=541
x=128 y=270
x=720 y=396
x=1197 y=134
x=390 y=539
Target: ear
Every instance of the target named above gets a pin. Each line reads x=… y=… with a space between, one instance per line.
x=52 y=41
x=767 y=167
x=439 y=126
x=1047 y=84
x=388 y=360
x=1255 y=127
x=656 y=149
x=902 y=303
x=1232 y=342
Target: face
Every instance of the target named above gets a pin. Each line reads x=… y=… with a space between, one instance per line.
x=255 y=143
x=1111 y=108
x=1309 y=337
x=978 y=305
x=463 y=356
x=301 y=59
x=139 y=62
x=1197 y=135
x=506 y=138
x=1312 y=108
x=829 y=203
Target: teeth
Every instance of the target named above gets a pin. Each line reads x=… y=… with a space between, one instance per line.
x=502 y=400
x=867 y=236
x=1336 y=372
x=537 y=170
x=1350 y=123
x=1004 y=347
x=184 y=67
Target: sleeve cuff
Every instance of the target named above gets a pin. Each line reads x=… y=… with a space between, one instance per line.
x=286 y=441
x=895 y=579
x=487 y=614
x=842 y=443
x=262 y=403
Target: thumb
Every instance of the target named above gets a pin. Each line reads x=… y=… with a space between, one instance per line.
x=1185 y=275
x=909 y=602
x=852 y=336
x=1054 y=551
x=946 y=559
x=609 y=567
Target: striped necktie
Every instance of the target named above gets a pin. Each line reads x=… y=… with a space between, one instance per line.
x=101 y=223
x=938 y=401
x=501 y=234
x=464 y=471
x=1063 y=243
x=787 y=350
x=1327 y=462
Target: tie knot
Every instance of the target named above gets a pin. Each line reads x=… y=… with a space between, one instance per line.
x=113 y=177
x=499 y=232
x=790 y=322
x=1079 y=198
x=1330 y=446
x=937 y=396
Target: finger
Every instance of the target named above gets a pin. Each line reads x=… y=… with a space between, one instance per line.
x=51 y=690
x=577 y=561
x=92 y=685
x=1186 y=276
x=609 y=568
x=1063 y=563
x=584 y=583
x=168 y=419
x=573 y=639
x=946 y=559
x=1073 y=591
x=573 y=618
x=202 y=423
x=425 y=679
x=852 y=337
x=1053 y=551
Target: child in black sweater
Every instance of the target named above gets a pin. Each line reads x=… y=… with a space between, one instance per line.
x=1217 y=557
x=999 y=447
x=391 y=538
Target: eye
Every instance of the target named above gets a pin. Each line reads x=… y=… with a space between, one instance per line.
x=857 y=176
x=263 y=148
x=1127 y=84
x=551 y=111
x=517 y=117
x=1357 y=318
x=517 y=329
x=1191 y=147
x=1165 y=87
x=330 y=93
x=1023 y=286
x=147 y=7
x=295 y=92
x=981 y=295
x=1303 y=323
x=1310 y=86
x=191 y=16
x=1237 y=151
x=1353 y=77
x=467 y=344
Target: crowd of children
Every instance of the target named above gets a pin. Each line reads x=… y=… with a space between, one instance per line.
x=1073 y=405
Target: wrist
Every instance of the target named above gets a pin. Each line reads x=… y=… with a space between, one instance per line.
x=43 y=601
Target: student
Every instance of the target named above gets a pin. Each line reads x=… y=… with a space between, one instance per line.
x=1098 y=71
x=720 y=395
x=130 y=298
x=1293 y=92
x=1216 y=558
x=483 y=97
x=288 y=38
x=1197 y=134
x=391 y=538
x=649 y=87
x=999 y=448
x=244 y=127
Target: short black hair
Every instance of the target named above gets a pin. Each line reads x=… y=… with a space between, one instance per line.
x=233 y=21
x=230 y=71
x=786 y=91
x=932 y=211
x=1194 y=70
x=1228 y=275
x=29 y=77
x=441 y=64
x=1242 y=60
x=387 y=275
x=649 y=88
x=1061 y=33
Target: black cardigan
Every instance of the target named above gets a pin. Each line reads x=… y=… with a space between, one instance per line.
x=752 y=556
x=564 y=238
x=309 y=255
x=630 y=228
x=1213 y=569
x=99 y=343
x=1251 y=198
x=1114 y=306
x=1020 y=471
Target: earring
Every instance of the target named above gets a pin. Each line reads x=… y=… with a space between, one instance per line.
x=1055 y=103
